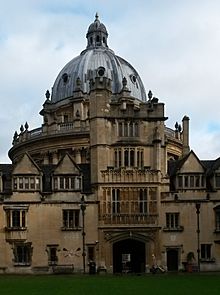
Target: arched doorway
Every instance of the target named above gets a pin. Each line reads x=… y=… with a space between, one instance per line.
x=129 y=256
x=172 y=259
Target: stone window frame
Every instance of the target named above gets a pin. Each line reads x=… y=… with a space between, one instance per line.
x=172 y=222
x=128 y=128
x=52 y=257
x=22 y=253
x=206 y=252
x=128 y=157
x=27 y=183
x=190 y=181
x=16 y=217
x=71 y=219
x=67 y=182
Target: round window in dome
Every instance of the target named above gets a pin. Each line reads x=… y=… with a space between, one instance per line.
x=101 y=71
x=133 y=79
x=65 y=78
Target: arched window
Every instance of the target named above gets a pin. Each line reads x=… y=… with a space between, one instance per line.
x=126 y=158
x=131 y=129
x=116 y=159
x=126 y=129
x=140 y=158
x=120 y=129
x=132 y=158
x=136 y=131
x=119 y=158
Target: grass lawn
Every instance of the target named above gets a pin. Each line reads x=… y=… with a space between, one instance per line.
x=170 y=284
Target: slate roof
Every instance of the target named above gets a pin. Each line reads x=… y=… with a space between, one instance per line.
x=5 y=170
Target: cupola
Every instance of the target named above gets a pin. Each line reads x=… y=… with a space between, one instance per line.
x=97 y=34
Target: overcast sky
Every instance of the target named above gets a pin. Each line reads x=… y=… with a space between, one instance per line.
x=173 y=44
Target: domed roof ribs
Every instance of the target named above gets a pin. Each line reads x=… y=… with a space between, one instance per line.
x=116 y=73
x=97 y=34
x=97 y=60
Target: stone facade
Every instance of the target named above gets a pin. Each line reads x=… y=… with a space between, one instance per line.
x=140 y=181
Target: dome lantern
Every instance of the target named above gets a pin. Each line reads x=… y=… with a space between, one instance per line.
x=97 y=34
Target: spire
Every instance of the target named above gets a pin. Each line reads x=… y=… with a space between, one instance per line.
x=97 y=34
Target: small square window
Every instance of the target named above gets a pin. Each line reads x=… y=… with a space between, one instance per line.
x=71 y=218
x=172 y=220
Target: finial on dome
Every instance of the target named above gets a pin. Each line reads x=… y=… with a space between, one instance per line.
x=22 y=128
x=150 y=94
x=96 y=16
x=26 y=126
x=47 y=94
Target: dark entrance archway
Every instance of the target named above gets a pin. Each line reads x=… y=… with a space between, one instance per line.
x=129 y=256
x=172 y=259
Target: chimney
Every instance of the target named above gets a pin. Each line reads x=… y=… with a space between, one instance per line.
x=185 y=135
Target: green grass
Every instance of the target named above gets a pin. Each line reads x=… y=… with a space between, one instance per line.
x=178 y=284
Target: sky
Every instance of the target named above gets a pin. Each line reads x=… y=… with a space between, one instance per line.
x=173 y=44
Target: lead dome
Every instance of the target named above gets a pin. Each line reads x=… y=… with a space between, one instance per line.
x=97 y=60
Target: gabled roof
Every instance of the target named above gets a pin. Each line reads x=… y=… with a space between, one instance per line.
x=66 y=165
x=26 y=165
x=208 y=163
x=175 y=166
x=5 y=171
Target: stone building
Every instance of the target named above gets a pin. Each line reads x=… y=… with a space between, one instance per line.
x=105 y=180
